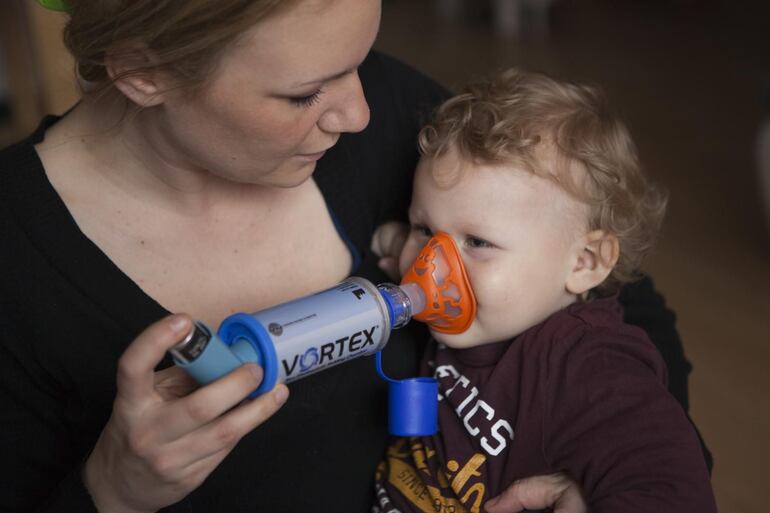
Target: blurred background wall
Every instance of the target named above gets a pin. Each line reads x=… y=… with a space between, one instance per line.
x=36 y=72
x=692 y=80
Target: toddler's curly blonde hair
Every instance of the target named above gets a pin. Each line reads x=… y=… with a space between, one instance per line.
x=516 y=116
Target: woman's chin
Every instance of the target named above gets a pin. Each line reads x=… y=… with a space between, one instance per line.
x=289 y=178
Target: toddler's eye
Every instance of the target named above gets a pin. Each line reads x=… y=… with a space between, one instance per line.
x=422 y=230
x=475 y=242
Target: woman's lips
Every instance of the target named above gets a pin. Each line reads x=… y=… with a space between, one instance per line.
x=312 y=157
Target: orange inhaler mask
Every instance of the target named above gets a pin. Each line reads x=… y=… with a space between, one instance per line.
x=438 y=270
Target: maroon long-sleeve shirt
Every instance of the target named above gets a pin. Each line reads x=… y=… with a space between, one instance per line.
x=581 y=393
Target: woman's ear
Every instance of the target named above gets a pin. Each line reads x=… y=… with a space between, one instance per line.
x=595 y=257
x=133 y=73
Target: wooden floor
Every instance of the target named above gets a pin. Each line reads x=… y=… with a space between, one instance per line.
x=686 y=77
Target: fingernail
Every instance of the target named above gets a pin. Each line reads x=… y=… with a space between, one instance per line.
x=281 y=394
x=179 y=323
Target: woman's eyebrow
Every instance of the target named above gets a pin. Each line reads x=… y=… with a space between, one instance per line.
x=325 y=79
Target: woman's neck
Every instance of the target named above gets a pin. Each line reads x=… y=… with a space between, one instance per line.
x=104 y=140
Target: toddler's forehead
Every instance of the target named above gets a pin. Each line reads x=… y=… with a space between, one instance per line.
x=539 y=189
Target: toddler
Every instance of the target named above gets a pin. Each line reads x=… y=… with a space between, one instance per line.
x=541 y=189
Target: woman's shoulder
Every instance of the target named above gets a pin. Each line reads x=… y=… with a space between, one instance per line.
x=387 y=81
x=398 y=72
x=20 y=158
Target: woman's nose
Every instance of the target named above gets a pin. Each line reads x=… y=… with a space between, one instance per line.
x=349 y=112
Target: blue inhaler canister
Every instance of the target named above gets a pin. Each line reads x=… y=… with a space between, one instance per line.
x=312 y=333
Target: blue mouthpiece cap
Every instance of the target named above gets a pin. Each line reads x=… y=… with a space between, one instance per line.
x=412 y=404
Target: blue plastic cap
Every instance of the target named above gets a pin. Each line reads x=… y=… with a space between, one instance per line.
x=412 y=404
x=413 y=407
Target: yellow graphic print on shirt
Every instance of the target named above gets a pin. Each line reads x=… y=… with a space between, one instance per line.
x=434 y=492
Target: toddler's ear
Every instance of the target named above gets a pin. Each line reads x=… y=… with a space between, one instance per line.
x=595 y=257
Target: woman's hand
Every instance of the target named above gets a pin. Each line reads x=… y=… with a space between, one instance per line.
x=556 y=491
x=162 y=441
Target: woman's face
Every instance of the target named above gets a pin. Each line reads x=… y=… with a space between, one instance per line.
x=280 y=97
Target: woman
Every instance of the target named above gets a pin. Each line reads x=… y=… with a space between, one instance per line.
x=224 y=161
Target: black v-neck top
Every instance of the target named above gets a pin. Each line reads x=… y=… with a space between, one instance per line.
x=67 y=313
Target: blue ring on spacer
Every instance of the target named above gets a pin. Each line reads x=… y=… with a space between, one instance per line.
x=391 y=306
x=244 y=326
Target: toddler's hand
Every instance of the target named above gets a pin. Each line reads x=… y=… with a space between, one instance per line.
x=387 y=242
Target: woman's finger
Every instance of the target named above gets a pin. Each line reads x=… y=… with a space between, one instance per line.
x=571 y=501
x=223 y=433
x=536 y=492
x=205 y=404
x=136 y=376
x=173 y=383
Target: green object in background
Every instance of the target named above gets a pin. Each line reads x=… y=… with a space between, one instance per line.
x=55 y=5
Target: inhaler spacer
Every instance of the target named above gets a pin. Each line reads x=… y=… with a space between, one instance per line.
x=354 y=318
x=450 y=307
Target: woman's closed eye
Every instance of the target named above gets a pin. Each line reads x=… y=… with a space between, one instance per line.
x=306 y=101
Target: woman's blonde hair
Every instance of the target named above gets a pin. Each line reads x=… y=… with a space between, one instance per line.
x=184 y=37
x=515 y=116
